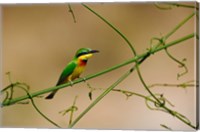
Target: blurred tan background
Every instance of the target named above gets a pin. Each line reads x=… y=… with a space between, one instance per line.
x=39 y=40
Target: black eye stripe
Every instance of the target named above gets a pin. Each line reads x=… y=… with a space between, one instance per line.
x=83 y=53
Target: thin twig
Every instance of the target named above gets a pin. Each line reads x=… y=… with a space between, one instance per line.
x=166 y=127
x=71 y=11
x=72 y=111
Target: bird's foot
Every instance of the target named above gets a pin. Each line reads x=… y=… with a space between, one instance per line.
x=83 y=78
x=71 y=83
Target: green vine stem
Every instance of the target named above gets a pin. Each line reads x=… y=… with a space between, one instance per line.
x=100 y=97
x=181 y=85
x=170 y=5
x=25 y=88
x=152 y=51
x=178 y=26
x=113 y=27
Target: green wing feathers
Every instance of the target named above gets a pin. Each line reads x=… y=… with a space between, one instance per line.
x=66 y=72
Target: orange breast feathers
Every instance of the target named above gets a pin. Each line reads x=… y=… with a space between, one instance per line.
x=82 y=62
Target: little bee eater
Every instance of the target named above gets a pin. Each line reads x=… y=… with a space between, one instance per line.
x=74 y=68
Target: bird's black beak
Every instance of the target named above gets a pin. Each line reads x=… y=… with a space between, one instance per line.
x=94 y=51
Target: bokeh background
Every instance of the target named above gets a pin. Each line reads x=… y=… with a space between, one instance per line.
x=40 y=39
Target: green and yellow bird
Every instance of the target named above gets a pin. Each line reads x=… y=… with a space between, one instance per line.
x=74 y=68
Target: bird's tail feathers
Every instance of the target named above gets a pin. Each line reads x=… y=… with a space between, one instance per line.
x=51 y=95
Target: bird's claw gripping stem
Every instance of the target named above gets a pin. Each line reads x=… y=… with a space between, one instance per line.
x=84 y=79
x=71 y=83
